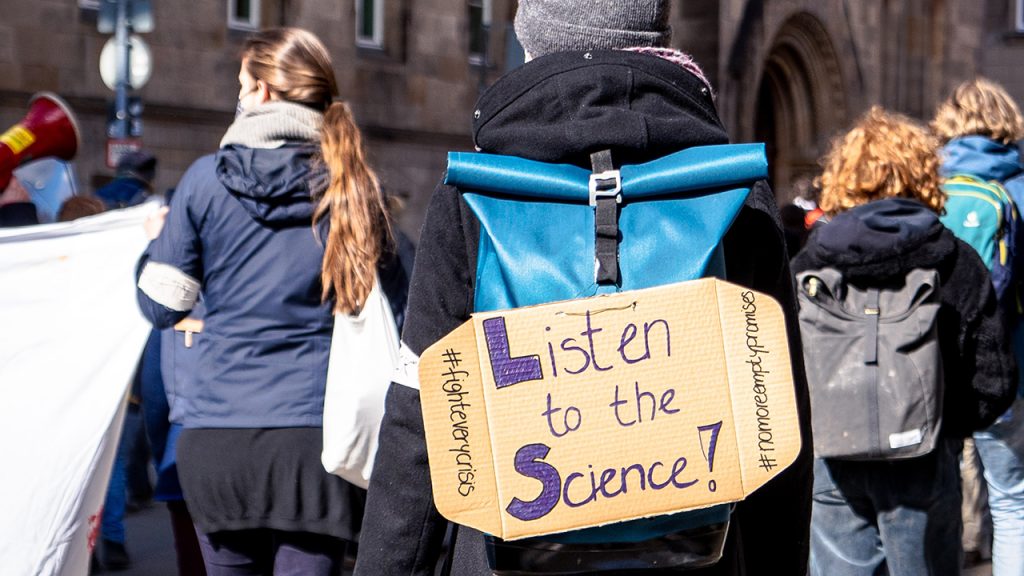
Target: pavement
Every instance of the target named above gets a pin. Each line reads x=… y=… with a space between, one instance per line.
x=151 y=546
x=150 y=543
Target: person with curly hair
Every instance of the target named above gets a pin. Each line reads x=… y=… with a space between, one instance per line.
x=881 y=186
x=980 y=126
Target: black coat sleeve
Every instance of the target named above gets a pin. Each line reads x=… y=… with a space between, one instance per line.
x=402 y=531
x=983 y=383
x=18 y=214
x=769 y=532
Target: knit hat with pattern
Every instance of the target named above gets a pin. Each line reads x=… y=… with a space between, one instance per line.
x=546 y=26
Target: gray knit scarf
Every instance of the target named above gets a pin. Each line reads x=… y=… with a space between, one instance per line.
x=273 y=123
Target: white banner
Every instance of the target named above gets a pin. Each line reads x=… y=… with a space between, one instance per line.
x=70 y=337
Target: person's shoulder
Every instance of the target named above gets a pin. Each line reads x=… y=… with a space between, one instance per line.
x=201 y=174
x=196 y=189
x=445 y=202
x=965 y=278
x=204 y=166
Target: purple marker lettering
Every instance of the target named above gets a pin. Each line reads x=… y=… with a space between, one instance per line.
x=529 y=462
x=507 y=370
x=589 y=333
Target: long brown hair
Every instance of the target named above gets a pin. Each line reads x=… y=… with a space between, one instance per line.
x=296 y=67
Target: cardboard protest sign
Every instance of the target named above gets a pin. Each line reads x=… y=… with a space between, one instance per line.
x=586 y=412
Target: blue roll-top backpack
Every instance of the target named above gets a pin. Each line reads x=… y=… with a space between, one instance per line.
x=551 y=232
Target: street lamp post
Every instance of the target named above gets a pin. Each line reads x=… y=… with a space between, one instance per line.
x=124 y=48
x=117 y=67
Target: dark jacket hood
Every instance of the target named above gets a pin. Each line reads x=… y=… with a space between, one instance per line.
x=879 y=240
x=275 y=185
x=982 y=157
x=564 y=106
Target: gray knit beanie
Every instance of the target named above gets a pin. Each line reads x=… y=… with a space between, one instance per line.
x=546 y=26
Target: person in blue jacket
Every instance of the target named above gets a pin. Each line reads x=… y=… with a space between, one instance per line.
x=281 y=228
x=133 y=181
x=981 y=125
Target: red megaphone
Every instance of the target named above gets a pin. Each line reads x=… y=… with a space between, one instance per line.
x=49 y=129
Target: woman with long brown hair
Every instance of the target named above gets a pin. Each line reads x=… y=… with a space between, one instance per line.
x=282 y=227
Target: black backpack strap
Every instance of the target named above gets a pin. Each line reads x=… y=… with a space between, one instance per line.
x=449 y=559
x=605 y=195
x=871 y=311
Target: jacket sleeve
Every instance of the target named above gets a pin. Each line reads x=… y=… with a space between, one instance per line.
x=402 y=531
x=394 y=272
x=18 y=214
x=986 y=381
x=771 y=527
x=170 y=271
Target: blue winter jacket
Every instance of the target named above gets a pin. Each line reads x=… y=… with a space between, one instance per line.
x=240 y=227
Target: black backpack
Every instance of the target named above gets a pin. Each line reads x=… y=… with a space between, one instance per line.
x=873 y=362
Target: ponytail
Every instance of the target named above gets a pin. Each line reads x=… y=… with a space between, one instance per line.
x=359 y=228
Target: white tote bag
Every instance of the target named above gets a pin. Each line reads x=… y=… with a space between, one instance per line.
x=364 y=355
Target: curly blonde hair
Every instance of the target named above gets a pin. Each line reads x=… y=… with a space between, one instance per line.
x=885 y=155
x=980 y=107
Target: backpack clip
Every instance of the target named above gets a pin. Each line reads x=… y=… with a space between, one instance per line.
x=607 y=184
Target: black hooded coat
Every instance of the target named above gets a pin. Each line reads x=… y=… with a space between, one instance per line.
x=560 y=108
x=880 y=242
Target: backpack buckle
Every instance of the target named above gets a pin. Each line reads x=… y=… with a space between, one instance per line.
x=607 y=184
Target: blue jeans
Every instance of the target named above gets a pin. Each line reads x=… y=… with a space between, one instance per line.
x=900 y=518
x=1001 y=448
x=112 y=518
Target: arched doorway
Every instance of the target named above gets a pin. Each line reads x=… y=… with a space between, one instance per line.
x=801 y=103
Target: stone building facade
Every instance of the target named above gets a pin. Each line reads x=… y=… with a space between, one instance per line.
x=794 y=73
x=791 y=73
x=411 y=81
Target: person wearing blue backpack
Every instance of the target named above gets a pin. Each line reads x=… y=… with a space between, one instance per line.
x=981 y=126
x=599 y=78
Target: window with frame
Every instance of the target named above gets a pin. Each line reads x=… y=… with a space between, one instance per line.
x=479 y=30
x=370 y=23
x=244 y=14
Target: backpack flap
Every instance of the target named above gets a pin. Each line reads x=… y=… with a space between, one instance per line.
x=873 y=365
x=537 y=224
